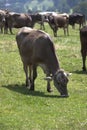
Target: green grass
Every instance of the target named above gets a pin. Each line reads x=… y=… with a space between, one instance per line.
x=21 y=109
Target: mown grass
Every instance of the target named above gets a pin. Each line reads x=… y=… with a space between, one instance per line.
x=21 y=109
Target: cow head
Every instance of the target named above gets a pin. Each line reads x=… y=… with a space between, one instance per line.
x=52 y=24
x=60 y=82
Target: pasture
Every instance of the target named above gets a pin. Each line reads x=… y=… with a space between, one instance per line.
x=21 y=109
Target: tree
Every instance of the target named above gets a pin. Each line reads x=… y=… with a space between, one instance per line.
x=43 y=5
x=61 y=5
x=81 y=8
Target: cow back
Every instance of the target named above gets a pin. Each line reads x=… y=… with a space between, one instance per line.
x=36 y=47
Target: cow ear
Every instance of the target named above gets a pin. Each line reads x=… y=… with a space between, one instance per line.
x=48 y=78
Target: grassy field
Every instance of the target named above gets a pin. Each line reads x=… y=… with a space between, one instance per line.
x=21 y=109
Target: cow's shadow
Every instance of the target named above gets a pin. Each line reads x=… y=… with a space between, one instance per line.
x=23 y=90
x=79 y=72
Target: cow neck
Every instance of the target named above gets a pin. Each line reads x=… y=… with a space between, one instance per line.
x=54 y=67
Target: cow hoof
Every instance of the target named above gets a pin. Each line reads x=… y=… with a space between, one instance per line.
x=83 y=68
x=64 y=96
x=49 y=90
x=31 y=88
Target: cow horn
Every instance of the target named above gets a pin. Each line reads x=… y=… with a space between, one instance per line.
x=48 y=78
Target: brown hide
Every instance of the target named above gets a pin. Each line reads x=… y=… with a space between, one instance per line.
x=18 y=20
x=38 y=18
x=83 y=39
x=37 y=49
x=57 y=21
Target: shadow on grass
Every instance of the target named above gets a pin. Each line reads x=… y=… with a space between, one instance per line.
x=23 y=90
x=79 y=72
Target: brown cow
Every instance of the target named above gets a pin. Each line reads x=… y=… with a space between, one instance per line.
x=83 y=39
x=36 y=49
x=17 y=20
x=58 y=21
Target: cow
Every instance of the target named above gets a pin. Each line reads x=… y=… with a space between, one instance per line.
x=37 y=49
x=44 y=18
x=77 y=18
x=58 y=21
x=64 y=15
x=2 y=20
x=17 y=20
x=83 y=39
x=39 y=18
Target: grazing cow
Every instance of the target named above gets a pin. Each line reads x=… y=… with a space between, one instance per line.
x=58 y=21
x=44 y=18
x=39 y=18
x=83 y=39
x=77 y=18
x=2 y=20
x=17 y=20
x=36 y=49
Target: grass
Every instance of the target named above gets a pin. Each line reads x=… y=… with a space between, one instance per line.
x=21 y=109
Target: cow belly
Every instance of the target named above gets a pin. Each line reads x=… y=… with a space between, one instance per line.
x=29 y=61
x=26 y=60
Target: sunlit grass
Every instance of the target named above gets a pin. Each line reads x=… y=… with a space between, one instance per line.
x=21 y=109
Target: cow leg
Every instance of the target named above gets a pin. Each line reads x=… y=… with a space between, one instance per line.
x=49 y=87
x=33 y=75
x=84 y=66
x=73 y=26
x=64 y=31
x=43 y=27
x=55 y=34
x=83 y=59
x=40 y=26
x=55 y=29
x=26 y=74
x=79 y=26
x=1 y=29
x=67 y=31
x=5 y=30
x=10 y=29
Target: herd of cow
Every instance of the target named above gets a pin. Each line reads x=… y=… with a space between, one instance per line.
x=36 y=47
x=9 y=20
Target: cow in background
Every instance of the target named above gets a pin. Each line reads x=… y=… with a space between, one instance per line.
x=57 y=21
x=17 y=20
x=37 y=49
x=39 y=18
x=2 y=19
x=77 y=18
x=83 y=39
